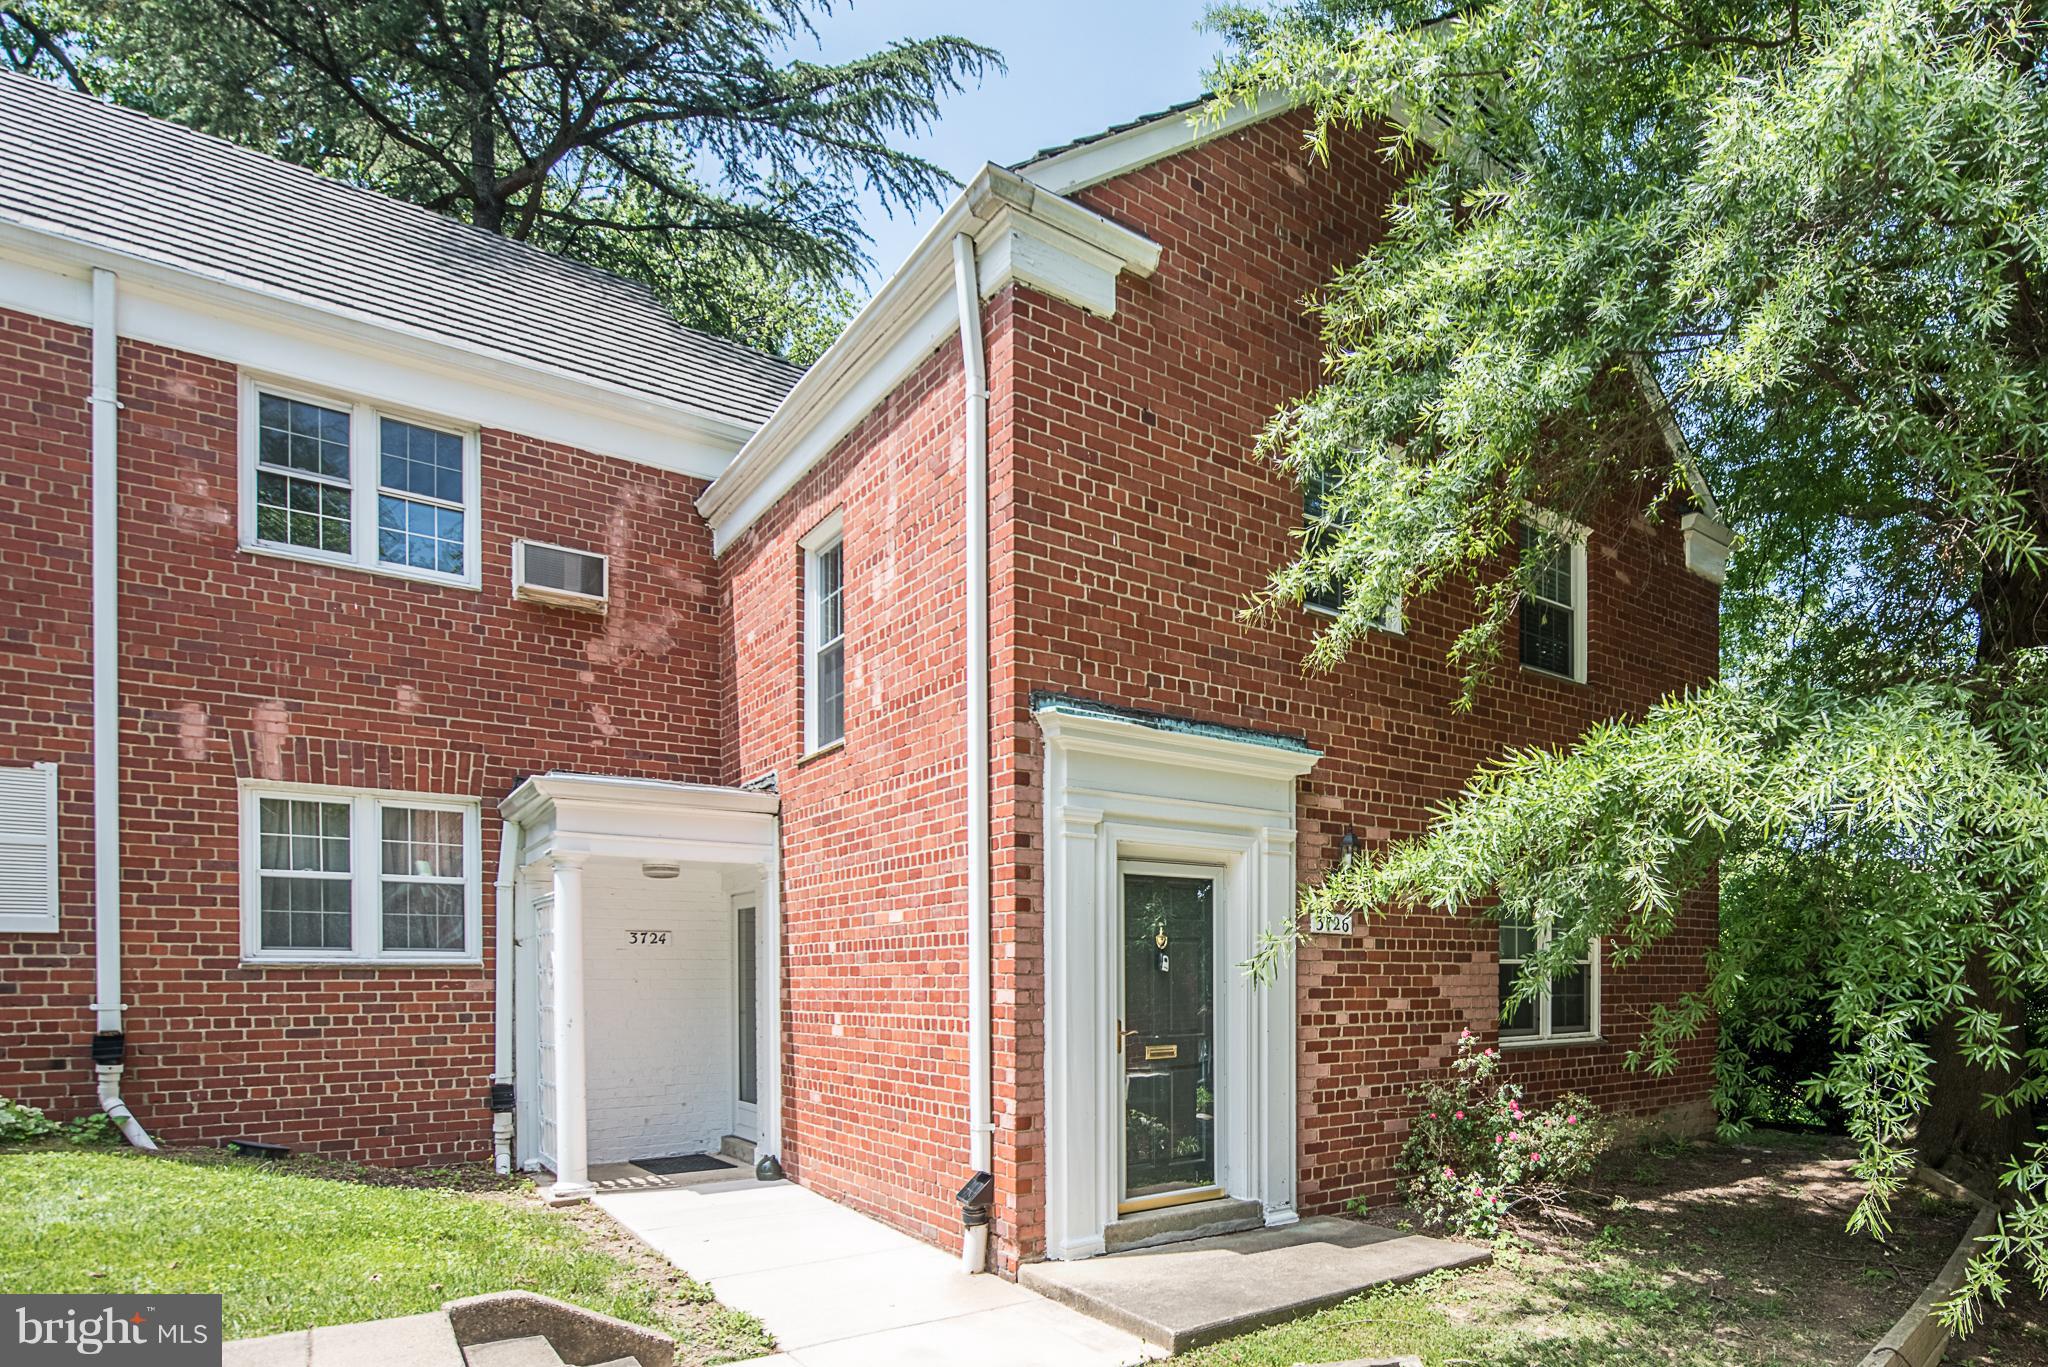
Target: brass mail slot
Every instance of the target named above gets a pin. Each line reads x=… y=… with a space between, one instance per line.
x=1153 y=1051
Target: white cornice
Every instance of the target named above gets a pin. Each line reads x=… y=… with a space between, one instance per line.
x=1210 y=751
x=532 y=797
x=1022 y=233
x=233 y=321
x=1119 y=154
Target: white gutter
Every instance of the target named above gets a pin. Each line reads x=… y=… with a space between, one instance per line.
x=106 y=706
x=974 y=367
x=510 y=836
x=106 y=683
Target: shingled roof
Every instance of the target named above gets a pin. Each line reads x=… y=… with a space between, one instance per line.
x=121 y=180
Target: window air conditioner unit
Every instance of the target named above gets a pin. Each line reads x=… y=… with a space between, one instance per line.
x=560 y=576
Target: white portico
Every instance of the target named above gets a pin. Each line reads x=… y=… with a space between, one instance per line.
x=1170 y=1075
x=644 y=984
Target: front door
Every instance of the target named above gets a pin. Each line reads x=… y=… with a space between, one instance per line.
x=1168 y=1035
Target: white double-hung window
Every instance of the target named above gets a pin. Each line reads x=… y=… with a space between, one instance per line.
x=1553 y=615
x=824 y=636
x=1567 y=1007
x=331 y=874
x=342 y=480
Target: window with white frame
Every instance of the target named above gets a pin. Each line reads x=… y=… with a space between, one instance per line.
x=28 y=848
x=1568 y=1007
x=344 y=481
x=1553 y=613
x=824 y=636
x=1318 y=525
x=333 y=874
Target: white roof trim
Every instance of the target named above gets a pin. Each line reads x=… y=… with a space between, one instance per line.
x=40 y=245
x=1022 y=232
x=1106 y=158
x=617 y=790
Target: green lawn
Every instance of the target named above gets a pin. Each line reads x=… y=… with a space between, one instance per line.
x=290 y=1250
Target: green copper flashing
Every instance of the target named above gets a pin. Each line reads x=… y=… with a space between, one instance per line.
x=1067 y=705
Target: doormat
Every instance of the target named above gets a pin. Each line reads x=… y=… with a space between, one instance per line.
x=682 y=1162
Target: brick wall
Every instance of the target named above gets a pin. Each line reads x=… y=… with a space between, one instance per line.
x=1132 y=522
x=251 y=666
x=46 y=691
x=660 y=1070
x=873 y=860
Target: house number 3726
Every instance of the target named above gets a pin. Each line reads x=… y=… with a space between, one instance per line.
x=646 y=937
x=1329 y=923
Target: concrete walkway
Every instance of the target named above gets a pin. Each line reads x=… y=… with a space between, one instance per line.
x=1179 y=1296
x=840 y=1290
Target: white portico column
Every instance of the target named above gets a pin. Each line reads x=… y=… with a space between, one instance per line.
x=572 y=1170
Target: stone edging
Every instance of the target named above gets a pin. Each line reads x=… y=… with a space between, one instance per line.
x=1919 y=1339
x=579 y=1337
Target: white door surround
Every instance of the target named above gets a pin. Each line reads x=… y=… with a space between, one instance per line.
x=568 y=821
x=1123 y=787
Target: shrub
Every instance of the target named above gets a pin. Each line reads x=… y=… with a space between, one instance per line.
x=93 y=1127
x=20 y=1123
x=1476 y=1156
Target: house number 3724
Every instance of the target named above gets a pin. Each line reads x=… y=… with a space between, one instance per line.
x=646 y=937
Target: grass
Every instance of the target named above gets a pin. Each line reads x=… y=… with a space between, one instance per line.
x=323 y=1245
x=1693 y=1256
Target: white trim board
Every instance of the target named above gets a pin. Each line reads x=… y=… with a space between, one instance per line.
x=1118 y=154
x=50 y=276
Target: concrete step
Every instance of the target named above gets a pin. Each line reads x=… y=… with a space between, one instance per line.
x=531 y=1351
x=1208 y=1289
x=1171 y=1224
x=737 y=1149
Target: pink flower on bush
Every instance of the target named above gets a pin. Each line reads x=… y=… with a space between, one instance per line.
x=1450 y=1173
x=1532 y=1158
x=1459 y=1116
x=1571 y=1120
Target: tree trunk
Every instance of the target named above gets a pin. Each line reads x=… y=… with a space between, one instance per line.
x=483 y=127
x=1957 y=1130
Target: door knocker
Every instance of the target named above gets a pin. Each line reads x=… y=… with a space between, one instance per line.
x=1159 y=943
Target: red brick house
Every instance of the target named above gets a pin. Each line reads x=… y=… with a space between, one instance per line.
x=446 y=704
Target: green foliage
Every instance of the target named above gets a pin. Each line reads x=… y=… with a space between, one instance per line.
x=682 y=142
x=91 y=1128
x=1475 y=1156
x=21 y=1122
x=1821 y=230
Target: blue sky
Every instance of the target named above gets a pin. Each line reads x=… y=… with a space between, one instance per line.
x=1076 y=66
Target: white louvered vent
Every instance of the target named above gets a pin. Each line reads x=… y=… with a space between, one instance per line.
x=556 y=574
x=28 y=848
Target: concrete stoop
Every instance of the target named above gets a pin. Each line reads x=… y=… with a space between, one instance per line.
x=1180 y=1295
x=1173 y=1224
x=508 y=1329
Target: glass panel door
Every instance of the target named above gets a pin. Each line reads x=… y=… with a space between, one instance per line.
x=1168 y=1035
x=747 y=1025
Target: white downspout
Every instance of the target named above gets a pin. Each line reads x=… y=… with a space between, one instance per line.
x=503 y=1067
x=108 y=1041
x=980 y=1126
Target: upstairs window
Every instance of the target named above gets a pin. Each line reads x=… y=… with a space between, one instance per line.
x=1329 y=598
x=824 y=636
x=329 y=874
x=1568 y=1008
x=339 y=480
x=1553 y=614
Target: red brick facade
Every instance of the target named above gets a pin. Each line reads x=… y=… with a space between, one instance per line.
x=239 y=666
x=1133 y=521
x=1129 y=522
